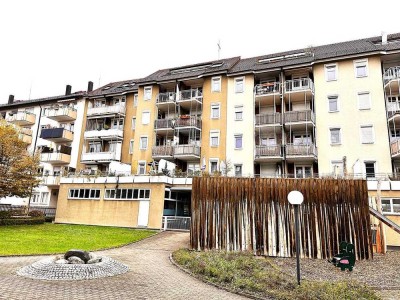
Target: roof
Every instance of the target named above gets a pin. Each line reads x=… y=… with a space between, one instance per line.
x=312 y=55
x=192 y=71
x=117 y=87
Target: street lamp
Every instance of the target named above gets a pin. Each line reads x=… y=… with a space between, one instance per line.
x=296 y=199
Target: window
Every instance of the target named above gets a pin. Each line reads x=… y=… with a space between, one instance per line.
x=335 y=136
x=145 y=117
x=84 y=194
x=143 y=142
x=214 y=138
x=337 y=167
x=367 y=134
x=216 y=84
x=333 y=104
x=391 y=206
x=147 y=93
x=238 y=141
x=94 y=147
x=135 y=100
x=126 y=194
x=133 y=123
x=35 y=198
x=131 y=143
x=213 y=165
x=238 y=170
x=239 y=85
x=117 y=124
x=331 y=72
x=370 y=169
x=215 y=110
x=303 y=171
x=142 y=167
x=44 y=199
x=302 y=139
x=364 y=100
x=361 y=68
x=268 y=141
x=239 y=113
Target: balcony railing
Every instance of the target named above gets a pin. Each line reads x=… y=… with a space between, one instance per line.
x=395 y=148
x=164 y=124
x=299 y=116
x=166 y=97
x=267 y=88
x=196 y=94
x=186 y=150
x=266 y=151
x=188 y=121
x=266 y=119
x=299 y=85
x=27 y=139
x=57 y=134
x=390 y=74
x=22 y=118
x=26 y=131
x=59 y=158
x=301 y=150
x=163 y=151
x=107 y=110
x=104 y=133
x=61 y=114
x=99 y=156
x=50 y=180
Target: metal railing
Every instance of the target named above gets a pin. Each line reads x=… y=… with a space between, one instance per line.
x=188 y=121
x=26 y=131
x=267 y=88
x=266 y=151
x=105 y=110
x=22 y=116
x=99 y=156
x=301 y=150
x=55 y=157
x=50 y=180
x=299 y=85
x=271 y=118
x=49 y=212
x=187 y=150
x=390 y=74
x=62 y=111
x=162 y=151
x=191 y=94
x=176 y=223
x=299 y=116
x=166 y=97
x=395 y=148
x=163 y=123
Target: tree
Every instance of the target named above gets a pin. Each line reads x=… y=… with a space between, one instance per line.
x=18 y=168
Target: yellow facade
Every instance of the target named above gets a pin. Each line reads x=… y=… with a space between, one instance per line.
x=129 y=134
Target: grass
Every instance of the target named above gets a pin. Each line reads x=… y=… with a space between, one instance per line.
x=57 y=238
x=258 y=276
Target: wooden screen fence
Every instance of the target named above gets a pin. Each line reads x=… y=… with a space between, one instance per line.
x=253 y=214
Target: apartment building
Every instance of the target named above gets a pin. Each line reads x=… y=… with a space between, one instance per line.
x=330 y=110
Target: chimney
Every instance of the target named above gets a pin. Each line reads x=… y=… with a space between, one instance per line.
x=384 y=38
x=68 y=90
x=90 y=86
x=11 y=99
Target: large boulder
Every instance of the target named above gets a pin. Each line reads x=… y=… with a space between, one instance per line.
x=75 y=260
x=83 y=255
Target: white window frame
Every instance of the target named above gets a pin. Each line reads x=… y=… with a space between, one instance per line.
x=369 y=100
x=238 y=109
x=391 y=212
x=217 y=89
x=340 y=135
x=213 y=160
x=135 y=100
x=361 y=133
x=331 y=66
x=358 y=63
x=214 y=106
x=214 y=134
x=134 y=123
x=141 y=142
x=365 y=167
x=303 y=170
x=146 y=117
x=241 y=170
x=76 y=192
x=147 y=96
x=237 y=79
x=131 y=145
x=331 y=97
x=141 y=163
x=339 y=163
x=236 y=136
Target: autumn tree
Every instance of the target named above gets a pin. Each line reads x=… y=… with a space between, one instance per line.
x=18 y=168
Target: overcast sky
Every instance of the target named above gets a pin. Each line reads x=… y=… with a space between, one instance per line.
x=48 y=44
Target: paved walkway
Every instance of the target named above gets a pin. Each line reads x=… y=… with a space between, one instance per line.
x=151 y=276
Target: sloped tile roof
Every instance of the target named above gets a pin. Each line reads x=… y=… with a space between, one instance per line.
x=43 y=100
x=115 y=88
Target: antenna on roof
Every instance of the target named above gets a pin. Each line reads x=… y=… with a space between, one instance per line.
x=219 y=48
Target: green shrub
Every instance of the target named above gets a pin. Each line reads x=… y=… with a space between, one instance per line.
x=36 y=213
x=18 y=212
x=22 y=221
x=5 y=214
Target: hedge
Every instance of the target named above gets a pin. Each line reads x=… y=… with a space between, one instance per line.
x=22 y=221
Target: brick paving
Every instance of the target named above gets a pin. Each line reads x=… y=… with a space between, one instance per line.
x=151 y=276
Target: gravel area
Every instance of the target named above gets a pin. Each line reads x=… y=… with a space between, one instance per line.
x=381 y=273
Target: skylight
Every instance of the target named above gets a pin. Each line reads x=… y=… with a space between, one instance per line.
x=106 y=88
x=190 y=69
x=282 y=57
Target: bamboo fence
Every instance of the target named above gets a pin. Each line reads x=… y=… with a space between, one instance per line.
x=253 y=214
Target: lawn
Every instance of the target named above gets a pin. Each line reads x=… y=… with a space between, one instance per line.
x=260 y=277
x=57 y=238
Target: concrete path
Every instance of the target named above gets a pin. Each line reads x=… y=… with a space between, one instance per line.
x=151 y=276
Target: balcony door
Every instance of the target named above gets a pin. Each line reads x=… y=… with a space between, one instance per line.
x=303 y=171
x=143 y=214
x=302 y=139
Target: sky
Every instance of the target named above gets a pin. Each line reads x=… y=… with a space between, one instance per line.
x=45 y=45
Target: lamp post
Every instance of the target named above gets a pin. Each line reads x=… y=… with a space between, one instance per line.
x=296 y=199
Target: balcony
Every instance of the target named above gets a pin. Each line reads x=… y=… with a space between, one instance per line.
x=50 y=181
x=267 y=92
x=301 y=152
x=269 y=119
x=391 y=80
x=164 y=126
x=57 y=135
x=301 y=119
x=395 y=149
x=159 y=152
x=268 y=153
x=166 y=101
x=96 y=157
x=25 y=134
x=104 y=134
x=299 y=89
x=106 y=111
x=190 y=99
x=55 y=158
x=22 y=118
x=188 y=122
x=187 y=152
x=63 y=114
